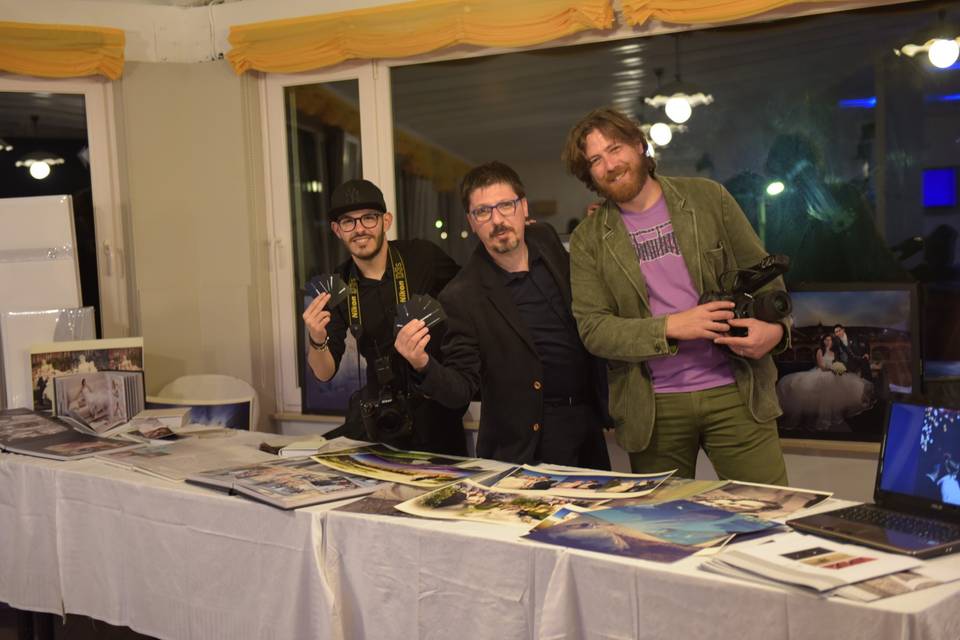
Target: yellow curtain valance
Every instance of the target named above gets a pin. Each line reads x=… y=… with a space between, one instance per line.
x=407 y=29
x=60 y=51
x=636 y=12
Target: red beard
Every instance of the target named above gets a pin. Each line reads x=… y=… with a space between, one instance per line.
x=628 y=187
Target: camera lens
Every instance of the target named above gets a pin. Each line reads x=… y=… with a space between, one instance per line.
x=772 y=306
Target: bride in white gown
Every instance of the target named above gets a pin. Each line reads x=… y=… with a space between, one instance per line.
x=825 y=396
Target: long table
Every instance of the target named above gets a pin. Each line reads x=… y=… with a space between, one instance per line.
x=172 y=560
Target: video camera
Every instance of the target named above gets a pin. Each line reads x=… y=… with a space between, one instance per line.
x=770 y=306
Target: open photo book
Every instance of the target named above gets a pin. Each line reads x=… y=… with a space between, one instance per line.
x=34 y=434
x=99 y=400
x=287 y=483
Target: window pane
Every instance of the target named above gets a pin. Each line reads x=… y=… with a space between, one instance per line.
x=52 y=127
x=323 y=134
x=842 y=154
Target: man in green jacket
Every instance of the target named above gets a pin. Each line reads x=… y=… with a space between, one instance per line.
x=678 y=379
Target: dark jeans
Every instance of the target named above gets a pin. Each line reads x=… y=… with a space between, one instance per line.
x=572 y=436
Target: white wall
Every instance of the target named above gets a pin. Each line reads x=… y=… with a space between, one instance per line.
x=191 y=146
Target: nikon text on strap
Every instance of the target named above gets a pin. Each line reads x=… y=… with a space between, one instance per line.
x=400 y=290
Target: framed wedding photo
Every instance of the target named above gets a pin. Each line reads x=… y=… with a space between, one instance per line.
x=853 y=348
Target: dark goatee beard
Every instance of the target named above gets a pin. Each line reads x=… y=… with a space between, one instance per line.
x=504 y=244
x=628 y=189
x=369 y=252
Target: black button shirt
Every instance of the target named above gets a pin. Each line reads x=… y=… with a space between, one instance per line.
x=428 y=268
x=552 y=328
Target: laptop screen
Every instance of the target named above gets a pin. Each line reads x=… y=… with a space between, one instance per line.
x=921 y=453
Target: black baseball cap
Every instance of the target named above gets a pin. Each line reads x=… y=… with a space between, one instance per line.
x=356 y=195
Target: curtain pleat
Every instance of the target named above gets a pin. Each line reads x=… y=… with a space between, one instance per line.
x=637 y=12
x=410 y=28
x=60 y=51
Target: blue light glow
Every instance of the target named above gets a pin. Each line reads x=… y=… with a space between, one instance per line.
x=858 y=103
x=940 y=187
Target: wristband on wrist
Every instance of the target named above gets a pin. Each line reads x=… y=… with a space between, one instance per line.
x=319 y=346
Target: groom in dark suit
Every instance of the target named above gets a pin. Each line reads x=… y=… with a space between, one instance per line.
x=852 y=352
x=512 y=336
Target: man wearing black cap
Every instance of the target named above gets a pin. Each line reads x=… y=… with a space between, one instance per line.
x=380 y=275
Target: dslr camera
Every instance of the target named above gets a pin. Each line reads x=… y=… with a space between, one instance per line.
x=770 y=306
x=389 y=416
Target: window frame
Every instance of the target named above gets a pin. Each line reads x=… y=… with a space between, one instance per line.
x=376 y=124
x=112 y=255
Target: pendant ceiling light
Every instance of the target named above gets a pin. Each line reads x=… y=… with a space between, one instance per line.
x=660 y=133
x=679 y=98
x=941 y=43
x=38 y=163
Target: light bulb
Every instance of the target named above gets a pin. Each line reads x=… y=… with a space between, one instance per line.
x=661 y=134
x=463 y=234
x=443 y=235
x=775 y=188
x=678 y=110
x=39 y=170
x=943 y=53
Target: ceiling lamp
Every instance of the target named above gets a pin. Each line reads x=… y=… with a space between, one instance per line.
x=5 y=146
x=678 y=98
x=941 y=43
x=661 y=134
x=38 y=163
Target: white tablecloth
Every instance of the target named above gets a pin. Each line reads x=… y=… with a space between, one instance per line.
x=175 y=561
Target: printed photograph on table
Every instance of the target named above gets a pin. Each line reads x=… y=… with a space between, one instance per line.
x=404 y=467
x=32 y=433
x=228 y=413
x=579 y=530
x=24 y=424
x=581 y=484
x=853 y=348
x=84 y=356
x=808 y=561
x=760 y=500
x=468 y=500
x=682 y=521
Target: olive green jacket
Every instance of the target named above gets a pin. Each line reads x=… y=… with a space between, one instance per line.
x=612 y=310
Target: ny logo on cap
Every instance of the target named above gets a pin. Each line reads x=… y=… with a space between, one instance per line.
x=353 y=194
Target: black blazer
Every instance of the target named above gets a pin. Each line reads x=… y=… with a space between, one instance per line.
x=488 y=347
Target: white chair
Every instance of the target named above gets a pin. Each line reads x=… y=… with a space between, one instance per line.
x=214 y=387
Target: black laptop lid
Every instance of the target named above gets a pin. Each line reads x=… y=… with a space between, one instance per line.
x=919 y=468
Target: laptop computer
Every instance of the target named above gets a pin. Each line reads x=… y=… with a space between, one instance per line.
x=916 y=494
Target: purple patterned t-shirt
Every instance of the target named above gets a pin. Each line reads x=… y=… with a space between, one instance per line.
x=699 y=364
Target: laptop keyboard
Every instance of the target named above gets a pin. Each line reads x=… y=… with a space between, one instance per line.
x=902 y=522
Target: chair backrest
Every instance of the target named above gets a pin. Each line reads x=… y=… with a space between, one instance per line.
x=214 y=387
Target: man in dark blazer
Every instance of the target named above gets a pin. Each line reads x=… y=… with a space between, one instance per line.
x=511 y=334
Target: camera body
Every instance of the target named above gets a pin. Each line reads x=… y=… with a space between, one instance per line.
x=770 y=306
x=387 y=417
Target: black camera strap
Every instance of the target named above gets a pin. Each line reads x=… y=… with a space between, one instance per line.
x=401 y=291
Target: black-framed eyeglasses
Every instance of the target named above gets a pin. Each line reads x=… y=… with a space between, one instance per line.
x=506 y=208
x=367 y=221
